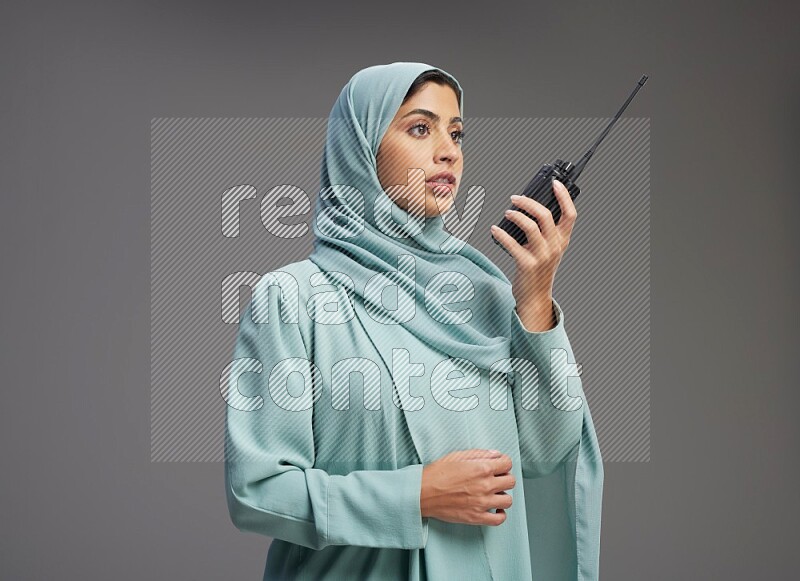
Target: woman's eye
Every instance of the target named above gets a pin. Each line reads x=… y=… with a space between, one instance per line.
x=421 y=129
x=419 y=126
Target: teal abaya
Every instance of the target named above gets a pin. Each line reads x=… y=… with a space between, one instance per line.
x=337 y=395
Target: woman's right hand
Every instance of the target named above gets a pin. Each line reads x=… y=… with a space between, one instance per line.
x=464 y=485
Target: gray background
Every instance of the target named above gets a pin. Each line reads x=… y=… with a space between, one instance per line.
x=80 y=84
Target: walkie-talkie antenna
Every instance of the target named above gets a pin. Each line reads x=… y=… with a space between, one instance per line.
x=576 y=171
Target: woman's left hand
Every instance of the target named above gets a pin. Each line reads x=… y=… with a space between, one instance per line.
x=537 y=260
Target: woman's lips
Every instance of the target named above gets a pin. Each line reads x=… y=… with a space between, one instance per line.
x=439 y=188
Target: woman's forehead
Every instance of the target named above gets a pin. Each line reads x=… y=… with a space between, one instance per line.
x=440 y=100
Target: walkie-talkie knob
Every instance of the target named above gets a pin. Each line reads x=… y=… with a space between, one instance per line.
x=564 y=166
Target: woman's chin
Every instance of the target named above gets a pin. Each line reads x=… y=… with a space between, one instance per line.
x=437 y=205
x=434 y=206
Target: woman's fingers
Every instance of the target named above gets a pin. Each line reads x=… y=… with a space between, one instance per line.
x=503 y=500
x=493 y=519
x=514 y=248
x=568 y=212
x=544 y=218
x=527 y=225
x=492 y=467
x=499 y=503
x=504 y=482
x=493 y=501
x=474 y=454
x=501 y=465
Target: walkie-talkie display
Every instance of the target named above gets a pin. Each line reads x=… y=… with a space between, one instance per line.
x=540 y=187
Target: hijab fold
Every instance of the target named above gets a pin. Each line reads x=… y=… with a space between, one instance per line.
x=360 y=232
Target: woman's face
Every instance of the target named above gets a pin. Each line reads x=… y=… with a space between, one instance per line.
x=425 y=133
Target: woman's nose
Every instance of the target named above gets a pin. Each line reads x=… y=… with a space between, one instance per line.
x=447 y=150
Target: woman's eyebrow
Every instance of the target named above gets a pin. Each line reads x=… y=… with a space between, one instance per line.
x=431 y=115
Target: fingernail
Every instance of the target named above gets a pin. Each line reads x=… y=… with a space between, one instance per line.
x=515 y=197
x=495 y=451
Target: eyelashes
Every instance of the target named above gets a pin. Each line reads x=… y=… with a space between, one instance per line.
x=458 y=136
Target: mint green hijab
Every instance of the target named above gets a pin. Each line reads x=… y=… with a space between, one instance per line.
x=356 y=233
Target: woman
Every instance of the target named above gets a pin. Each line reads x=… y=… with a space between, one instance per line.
x=349 y=440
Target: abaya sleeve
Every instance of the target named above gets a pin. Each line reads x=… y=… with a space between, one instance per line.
x=271 y=485
x=548 y=396
x=556 y=434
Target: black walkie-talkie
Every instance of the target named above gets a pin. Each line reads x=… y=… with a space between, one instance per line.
x=540 y=187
